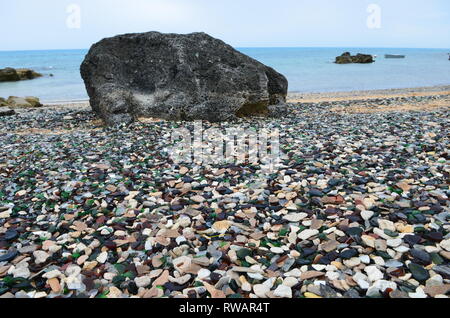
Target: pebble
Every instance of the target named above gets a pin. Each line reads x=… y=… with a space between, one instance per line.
x=367 y=215
x=203 y=274
x=143 y=281
x=373 y=273
x=306 y=234
x=102 y=257
x=40 y=257
x=283 y=291
x=418 y=272
x=261 y=290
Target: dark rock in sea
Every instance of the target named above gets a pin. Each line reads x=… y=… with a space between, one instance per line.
x=13 y=75
x=347 y=58
x=177 y=77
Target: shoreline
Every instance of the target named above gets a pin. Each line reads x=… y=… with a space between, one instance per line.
x=311 y=97
x=369 y=94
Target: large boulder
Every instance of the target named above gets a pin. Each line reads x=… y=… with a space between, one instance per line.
x=177 y=77
x=347 y=58
x=13 y=75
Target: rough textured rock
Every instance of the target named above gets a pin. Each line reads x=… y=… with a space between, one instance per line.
x=278 y=111
x=177 y=77
x=23 y=102
x=347 y=58
x=13 y=75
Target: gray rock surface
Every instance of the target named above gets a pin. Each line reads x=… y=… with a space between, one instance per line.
x=177 y=77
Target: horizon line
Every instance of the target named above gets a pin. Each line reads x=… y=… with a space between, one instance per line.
x=257 y=47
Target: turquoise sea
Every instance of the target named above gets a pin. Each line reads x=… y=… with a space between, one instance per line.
x=307 y=69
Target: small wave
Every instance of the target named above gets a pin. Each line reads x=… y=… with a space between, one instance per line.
x=43 y=68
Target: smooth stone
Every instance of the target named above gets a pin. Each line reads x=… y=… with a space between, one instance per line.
x=445 y=245
x=40 y=257
x=143 y=281
x=379 y=287
x=290 y=281
x=373 y=273
x=418 y=294
x=261 y=290
x=11 y=235
x=365 y=259
x=203 y=274
x=308 y=233
x=102 y=257
x=295 y=217
x=419 y=273
x=367 y=215
x=8 y=256
x=436 y=280
x=394 y=242
x=392 y=263
x=277 y=250
x=349 y=253
x=283 y=291
x=420 y=256
x=443 y=270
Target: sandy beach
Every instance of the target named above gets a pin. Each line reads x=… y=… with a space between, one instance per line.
x=359 y=206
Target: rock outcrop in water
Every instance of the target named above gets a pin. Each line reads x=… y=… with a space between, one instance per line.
x=347 y=58
x=13 y=75
x=177 y=77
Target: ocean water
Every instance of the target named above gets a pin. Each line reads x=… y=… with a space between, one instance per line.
x=307 y=69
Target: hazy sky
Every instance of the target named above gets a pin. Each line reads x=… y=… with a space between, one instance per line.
x=46 y=24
